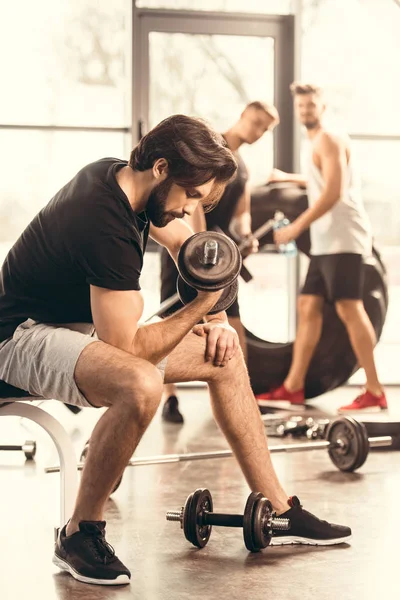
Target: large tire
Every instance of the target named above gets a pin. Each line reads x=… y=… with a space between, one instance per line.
x=334 y=361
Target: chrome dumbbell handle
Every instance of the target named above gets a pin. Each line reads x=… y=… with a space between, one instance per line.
x=210 y=252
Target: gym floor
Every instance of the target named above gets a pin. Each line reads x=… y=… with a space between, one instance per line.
x=164 y=565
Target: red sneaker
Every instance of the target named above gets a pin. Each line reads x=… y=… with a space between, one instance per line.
x=281 y=398
x=366 y=402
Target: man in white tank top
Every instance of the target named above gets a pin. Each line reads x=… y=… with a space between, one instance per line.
x=340 y=238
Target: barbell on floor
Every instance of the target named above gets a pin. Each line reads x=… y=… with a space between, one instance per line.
x=347 y=443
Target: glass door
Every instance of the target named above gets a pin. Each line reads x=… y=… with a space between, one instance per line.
x=211 y=65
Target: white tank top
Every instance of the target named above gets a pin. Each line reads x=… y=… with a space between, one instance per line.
x=344 y=228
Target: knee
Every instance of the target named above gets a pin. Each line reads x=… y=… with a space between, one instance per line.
x=143 y=391
x=236 y=367
x=309 y=309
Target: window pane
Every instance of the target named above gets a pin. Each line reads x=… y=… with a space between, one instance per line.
x=378 y=162
x=280 y=7
x=264 y=300
x=209 y=76
x=359 y=73
x=35 y=165
x=71 y=67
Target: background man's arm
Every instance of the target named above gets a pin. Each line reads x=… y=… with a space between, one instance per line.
x=278 y=176
x=331 y=154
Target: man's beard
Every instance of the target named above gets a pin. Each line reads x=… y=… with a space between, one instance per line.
x=309 y=125
x=155 y=208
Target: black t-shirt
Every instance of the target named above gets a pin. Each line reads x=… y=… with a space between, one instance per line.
x=88 y=234
x=223 y=213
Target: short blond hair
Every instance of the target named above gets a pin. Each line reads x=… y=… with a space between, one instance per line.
x=300 y=89
x=269 y=110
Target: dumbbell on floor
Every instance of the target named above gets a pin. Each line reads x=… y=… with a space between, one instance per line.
x=298 y=426
x=258 y=522
x=28 y=448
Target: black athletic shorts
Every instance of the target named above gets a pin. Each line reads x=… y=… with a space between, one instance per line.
x=335 y=277
x=169 y=273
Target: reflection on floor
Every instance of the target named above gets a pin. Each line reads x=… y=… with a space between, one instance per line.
x=163 y=564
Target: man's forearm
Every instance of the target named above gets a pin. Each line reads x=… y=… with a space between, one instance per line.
x=278 y=176
x=323 y=205
x=220 y=317
x=297 y=178
x=155 y=341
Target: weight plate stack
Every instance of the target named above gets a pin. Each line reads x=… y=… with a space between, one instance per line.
x=196 y=504
x=197 y=273
x=353 y=451
x=248 y=518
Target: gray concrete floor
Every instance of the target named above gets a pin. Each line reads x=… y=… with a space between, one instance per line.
x=164 y=565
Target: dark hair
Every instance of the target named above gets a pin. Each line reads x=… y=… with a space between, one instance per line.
x=269 y=109
x=301 y=89
x=194 y=152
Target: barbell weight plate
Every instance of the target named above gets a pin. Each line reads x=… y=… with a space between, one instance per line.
x=262 y=515
x=187 y=524
x=248 y=517
x=227 y=298
x=206 y=277
x=347 y=456
x=197 y=503
x=363 y=439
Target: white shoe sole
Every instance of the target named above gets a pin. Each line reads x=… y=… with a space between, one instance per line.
x=293 y=540
x=64 y=566
x=356 y=411
x=285 y=404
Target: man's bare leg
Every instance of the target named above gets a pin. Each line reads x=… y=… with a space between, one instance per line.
x=307 y=337
x=169 y=390
x=237 y=325
x=362 y=339
x=131 y=388
x=235 y=410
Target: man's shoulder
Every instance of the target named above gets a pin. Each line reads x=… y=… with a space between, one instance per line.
x=329 y=139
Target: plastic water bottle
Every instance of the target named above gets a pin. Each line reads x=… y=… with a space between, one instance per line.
x=290 y=249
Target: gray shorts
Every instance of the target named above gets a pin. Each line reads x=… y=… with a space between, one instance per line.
x=41 y=359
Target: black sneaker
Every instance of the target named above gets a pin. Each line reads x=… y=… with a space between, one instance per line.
x=171 y=412
x=307 y=529
x=88 y=557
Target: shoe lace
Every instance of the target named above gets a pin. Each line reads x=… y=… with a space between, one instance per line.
x=101 y=549
x=360 y=397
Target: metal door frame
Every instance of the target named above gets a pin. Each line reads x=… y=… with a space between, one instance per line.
x=281 y=28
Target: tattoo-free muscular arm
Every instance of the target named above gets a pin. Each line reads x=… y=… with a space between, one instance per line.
x=116 y=314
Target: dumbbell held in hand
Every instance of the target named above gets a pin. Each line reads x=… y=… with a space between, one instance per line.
x=209 y=262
